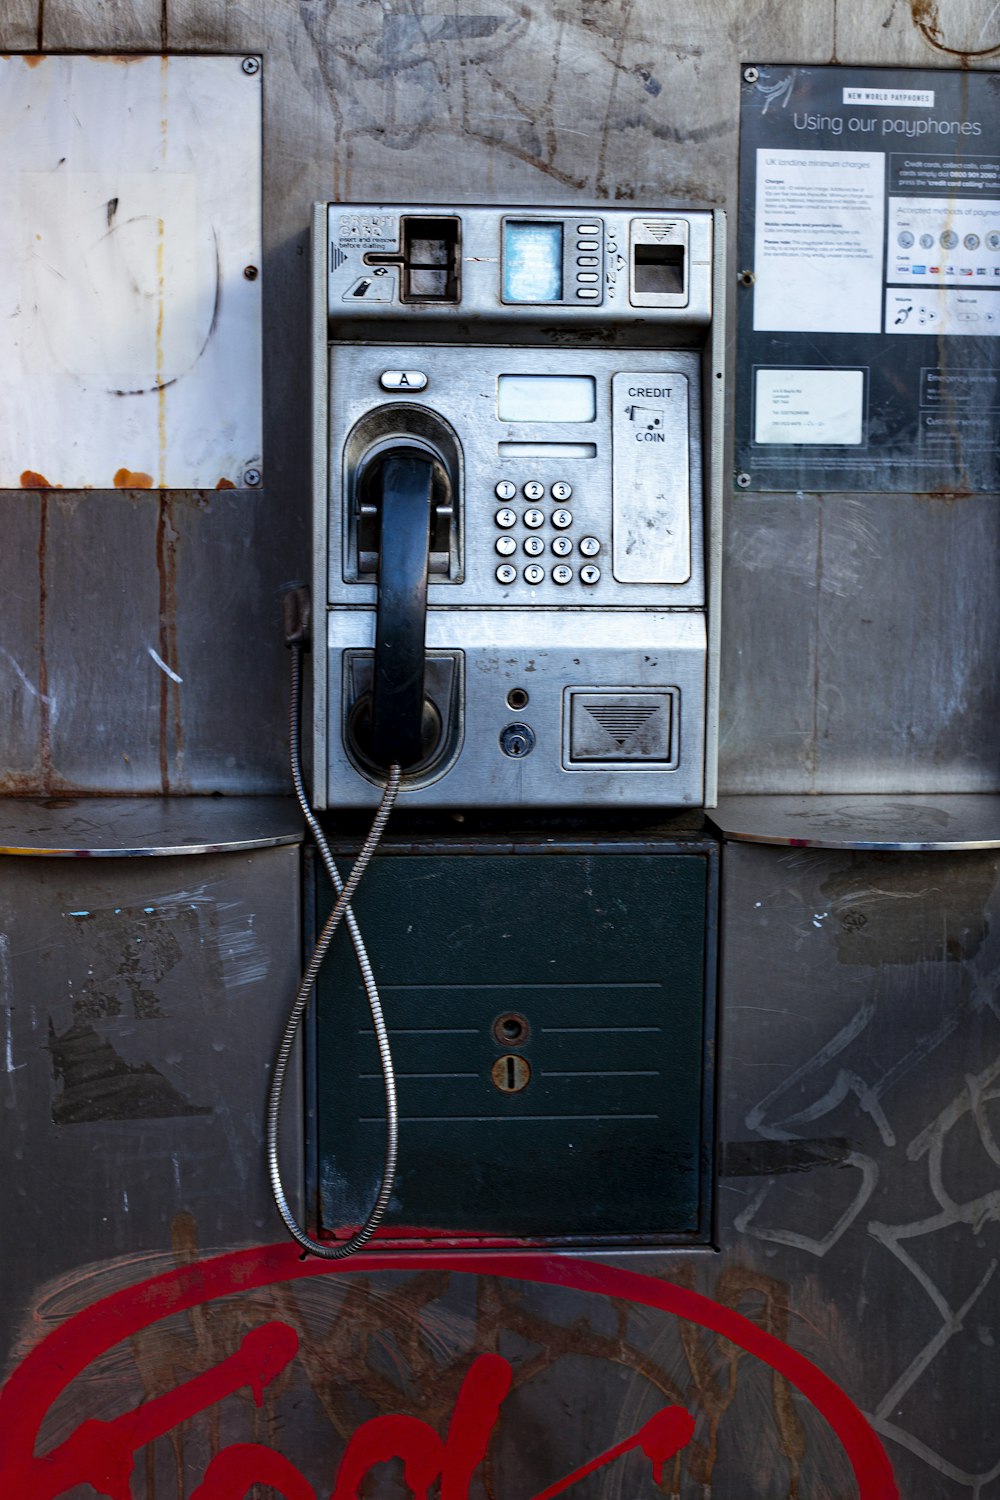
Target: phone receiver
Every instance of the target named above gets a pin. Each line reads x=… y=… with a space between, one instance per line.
x=404 y=726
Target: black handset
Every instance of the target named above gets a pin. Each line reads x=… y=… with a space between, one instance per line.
x=402 y=727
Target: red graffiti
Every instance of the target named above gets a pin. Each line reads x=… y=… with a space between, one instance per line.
x=102 y=1453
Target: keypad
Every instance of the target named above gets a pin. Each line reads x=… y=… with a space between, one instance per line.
x=548 y=533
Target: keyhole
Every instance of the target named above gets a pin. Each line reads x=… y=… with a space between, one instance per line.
x=510 y=1074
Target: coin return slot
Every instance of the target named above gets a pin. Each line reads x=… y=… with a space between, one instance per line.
x=658 y=269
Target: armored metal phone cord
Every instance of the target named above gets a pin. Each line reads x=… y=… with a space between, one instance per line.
x=341 y=911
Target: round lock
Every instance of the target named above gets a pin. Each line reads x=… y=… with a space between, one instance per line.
x=517 y=740
x=510 y=1074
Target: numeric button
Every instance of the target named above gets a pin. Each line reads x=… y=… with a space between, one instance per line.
x=505 y=490
x=562 y=546
x=561 y=573
x=562 y=519
x=533 y=490
x=506 y=545
x=534 y=519
x=533 y=545
x=533 y=573
x=561 y=490
x=505 y=518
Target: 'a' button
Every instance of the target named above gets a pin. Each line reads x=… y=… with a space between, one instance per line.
x=402 y=380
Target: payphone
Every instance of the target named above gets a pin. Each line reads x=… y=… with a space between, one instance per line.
x=516 y=519
x=517 y=484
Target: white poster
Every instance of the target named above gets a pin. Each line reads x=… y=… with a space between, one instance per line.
x=818 y=241
x=809 y=406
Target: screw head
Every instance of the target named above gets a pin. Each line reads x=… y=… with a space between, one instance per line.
x=250 y=66
x=751 y=75
x=745 y=278
x=250 y=272
x=252 y=477
x=743 y=481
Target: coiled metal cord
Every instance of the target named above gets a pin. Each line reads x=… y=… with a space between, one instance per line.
x=342 y=911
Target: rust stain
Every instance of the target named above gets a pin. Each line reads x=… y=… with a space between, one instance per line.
x=18 y=784
x=161 y=394
x=32 y=59
x=170 y=715
x=225 y=484
x=926 y=17
x=132 y=479
x=32 y=480
x=44 y=714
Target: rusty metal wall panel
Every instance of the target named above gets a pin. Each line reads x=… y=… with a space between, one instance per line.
x=859 y=645
x=130 y=247
x=24 y=694
x=862 y=1048
x=146 y=687
x=107 y=729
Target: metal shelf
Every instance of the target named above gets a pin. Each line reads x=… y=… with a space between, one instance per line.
x=905 y=821
x=131 y=827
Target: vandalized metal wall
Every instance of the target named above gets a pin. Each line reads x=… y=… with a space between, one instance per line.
x=857 y=1204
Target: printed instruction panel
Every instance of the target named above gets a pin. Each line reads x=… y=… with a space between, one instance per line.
x=869 y=313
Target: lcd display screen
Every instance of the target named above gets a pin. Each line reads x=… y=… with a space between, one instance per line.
x=532 y=261
x=546 y=398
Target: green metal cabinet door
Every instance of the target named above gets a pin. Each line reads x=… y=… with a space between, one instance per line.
x=550 y=1020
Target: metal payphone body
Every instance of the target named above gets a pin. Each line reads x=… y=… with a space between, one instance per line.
x=551 y=382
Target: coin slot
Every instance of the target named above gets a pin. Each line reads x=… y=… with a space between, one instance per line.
x=517 y=698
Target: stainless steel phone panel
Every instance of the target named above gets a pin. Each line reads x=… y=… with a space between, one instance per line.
x=629 y=273
x=555 y=373
x=633 y=512
x=610 y=708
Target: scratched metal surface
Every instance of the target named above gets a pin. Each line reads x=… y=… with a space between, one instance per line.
x=141 y=1003
x=858 y=1210
x=862 y=1052
x=859 y=631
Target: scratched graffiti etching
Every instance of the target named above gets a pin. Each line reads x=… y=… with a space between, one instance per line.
x=305 y=1380
x=871 y=1163
x=442 y=84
